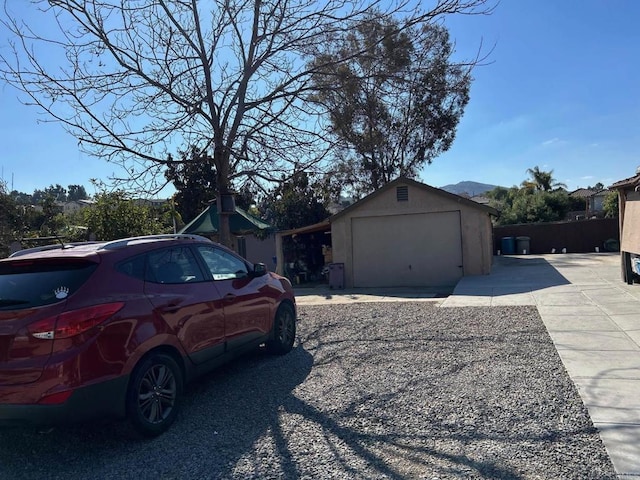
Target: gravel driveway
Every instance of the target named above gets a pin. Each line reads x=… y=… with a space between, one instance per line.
x=385 y=390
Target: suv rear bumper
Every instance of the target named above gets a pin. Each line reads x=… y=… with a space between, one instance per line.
x=104 y=399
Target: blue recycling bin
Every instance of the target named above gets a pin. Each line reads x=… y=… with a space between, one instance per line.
x=508 y=245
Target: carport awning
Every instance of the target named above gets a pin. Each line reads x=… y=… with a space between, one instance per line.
x=241 y=223
x=316 y=227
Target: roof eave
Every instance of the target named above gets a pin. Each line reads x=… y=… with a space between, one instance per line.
x=627 y=182
x=424 y=186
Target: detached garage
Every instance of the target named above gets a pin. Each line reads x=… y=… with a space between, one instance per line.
x=408 y=234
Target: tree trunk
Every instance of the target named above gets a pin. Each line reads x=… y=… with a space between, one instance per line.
x=221 y=160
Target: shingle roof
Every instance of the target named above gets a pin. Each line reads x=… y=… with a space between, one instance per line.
x=627 y=182
x=424 y=186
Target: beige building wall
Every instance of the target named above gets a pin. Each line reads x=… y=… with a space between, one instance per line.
x=630 y=221
x=476 y=228
x=261 y=250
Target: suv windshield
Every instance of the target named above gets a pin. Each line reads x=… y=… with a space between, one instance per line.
x=33 y=284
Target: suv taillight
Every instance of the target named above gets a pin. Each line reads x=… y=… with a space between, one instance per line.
x=75 y=322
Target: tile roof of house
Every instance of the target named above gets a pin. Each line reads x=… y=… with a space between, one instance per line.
x=582 y=193
x=588 y=192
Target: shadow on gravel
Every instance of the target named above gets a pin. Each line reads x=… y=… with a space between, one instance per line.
x=222 y=416
x=384 y=391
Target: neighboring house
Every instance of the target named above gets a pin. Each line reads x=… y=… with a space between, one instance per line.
x=593 y=200
x=251 y=237
x=406 y=234
x=74 y=205
x=629 y=208
x=152 y=202
x=481 y=199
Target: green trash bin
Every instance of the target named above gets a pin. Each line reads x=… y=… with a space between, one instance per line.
x=523 y=245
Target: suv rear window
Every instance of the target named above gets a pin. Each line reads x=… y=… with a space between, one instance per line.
x=33 y=284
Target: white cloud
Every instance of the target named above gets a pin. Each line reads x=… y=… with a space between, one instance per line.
x=546 y=143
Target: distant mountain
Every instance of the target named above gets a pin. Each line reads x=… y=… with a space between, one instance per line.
x=468 y=188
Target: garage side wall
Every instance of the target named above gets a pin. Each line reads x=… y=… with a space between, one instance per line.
x=475 y=228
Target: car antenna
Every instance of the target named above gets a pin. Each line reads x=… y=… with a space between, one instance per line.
x=55 y=235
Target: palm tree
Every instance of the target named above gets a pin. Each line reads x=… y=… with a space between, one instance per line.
x=541 y=180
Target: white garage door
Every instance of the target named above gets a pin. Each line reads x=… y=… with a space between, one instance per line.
x=407 y=250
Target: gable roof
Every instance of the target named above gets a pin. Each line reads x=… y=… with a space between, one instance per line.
x=241 y=222
x=588 y=193
x=582 y=193
x=422 y=186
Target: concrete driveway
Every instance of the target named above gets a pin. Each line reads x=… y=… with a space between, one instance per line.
x=593 y=319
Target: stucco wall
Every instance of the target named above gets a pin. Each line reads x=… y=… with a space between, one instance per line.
x=630 y=235
x=476 y=226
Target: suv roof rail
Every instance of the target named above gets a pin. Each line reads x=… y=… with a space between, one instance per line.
x=53 y=246
x=114 y=244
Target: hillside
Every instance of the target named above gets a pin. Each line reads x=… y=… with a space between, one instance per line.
x=469 y=188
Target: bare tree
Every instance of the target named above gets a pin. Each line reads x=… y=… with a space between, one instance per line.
x=133 y=80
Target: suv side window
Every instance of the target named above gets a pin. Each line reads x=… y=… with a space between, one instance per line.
x=173 y=265
x=223 y=265
x=134 y=267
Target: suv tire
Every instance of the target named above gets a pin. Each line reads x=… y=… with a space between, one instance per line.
x=154 y=394
x=283 y=334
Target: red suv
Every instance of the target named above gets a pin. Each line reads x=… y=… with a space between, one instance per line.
x=115 y=329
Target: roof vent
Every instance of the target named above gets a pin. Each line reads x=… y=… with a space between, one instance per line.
x=402 y=193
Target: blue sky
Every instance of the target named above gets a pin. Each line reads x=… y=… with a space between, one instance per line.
x=561 y=92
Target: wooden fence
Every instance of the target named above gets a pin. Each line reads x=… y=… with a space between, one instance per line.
x=577 y=237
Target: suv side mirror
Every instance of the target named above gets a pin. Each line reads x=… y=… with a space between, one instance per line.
x=259 y=269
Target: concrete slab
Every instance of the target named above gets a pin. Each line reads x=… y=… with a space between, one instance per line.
x=634 y=335
x=563 y=298
x=611 y=400
x=511 y=300
x=629 y=307
x=593 y=340
x=609 y=296
x=472 y=289
x=577 y=310
x=584 y=323
x=467 y=301
x=629 y=322
x=601 y=364
x=622 y=443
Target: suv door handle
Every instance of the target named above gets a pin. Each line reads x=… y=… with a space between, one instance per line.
x=229 y=297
